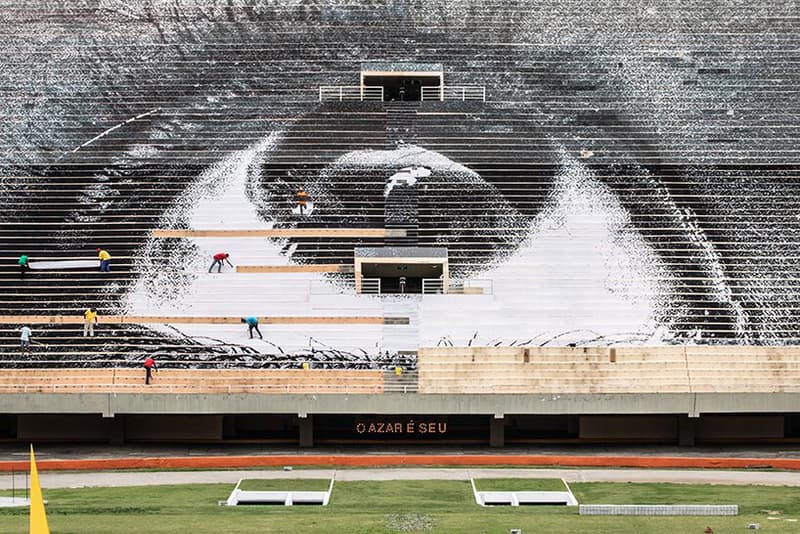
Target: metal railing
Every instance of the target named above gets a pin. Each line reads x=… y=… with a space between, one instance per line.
x=432 y=286
x=371 y=286
x=435 y=286
x=350 y=92
x=454 y=92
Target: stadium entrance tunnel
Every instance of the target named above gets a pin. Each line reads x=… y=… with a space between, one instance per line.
x=402 y=87
x=401 y=81
x=401 y=270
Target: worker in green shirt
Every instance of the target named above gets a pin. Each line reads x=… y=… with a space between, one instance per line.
x=24 y=265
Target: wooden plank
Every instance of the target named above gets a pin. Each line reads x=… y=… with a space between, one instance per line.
x=273 y=381
x=315 y=268
x=299 y=389
x=120 y=374
x=141 y=319
x=279 y=232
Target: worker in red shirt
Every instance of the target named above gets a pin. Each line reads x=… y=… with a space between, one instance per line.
x=149 y=367
x=218 y=259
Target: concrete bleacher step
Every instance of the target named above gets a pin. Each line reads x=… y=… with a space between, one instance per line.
x=401 y=214
x=400 y=123
x=406 y=382
x=400 y=338
x=637 y=370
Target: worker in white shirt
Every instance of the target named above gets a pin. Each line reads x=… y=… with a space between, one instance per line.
x=25 y=338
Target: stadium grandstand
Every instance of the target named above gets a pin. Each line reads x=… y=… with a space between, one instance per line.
x=382 y=222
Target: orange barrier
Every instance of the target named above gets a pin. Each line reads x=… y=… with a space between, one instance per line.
x=239 y=462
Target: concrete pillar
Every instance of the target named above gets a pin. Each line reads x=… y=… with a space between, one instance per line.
x=686 y=430
x=116 y=430
x=306 y=424
x=497 y=431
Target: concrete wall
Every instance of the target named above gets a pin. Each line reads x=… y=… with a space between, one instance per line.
x=475 y=429
x=68 y=427
x=739 y=427
x=633 y=417
x=387 y=403
x=629 y=427
x=173 y=427
x=692 y=404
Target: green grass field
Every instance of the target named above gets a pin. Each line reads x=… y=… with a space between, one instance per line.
x=297 y=484
x=400 y=506
x=519 y=484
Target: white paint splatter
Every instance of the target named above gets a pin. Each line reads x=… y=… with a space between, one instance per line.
x=178 y=283
x=404 y=155
x=406 y=177
x=584 y=275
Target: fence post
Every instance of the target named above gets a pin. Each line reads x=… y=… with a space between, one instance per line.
x=483 y=91
x=320 y=93
x=340 y=93
x=463 y=93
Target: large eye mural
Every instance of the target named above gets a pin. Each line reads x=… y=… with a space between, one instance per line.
x=609 y=190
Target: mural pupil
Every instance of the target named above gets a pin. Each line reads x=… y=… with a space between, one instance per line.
x=386 y=190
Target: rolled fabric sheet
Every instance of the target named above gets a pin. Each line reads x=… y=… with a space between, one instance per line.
x=63 y=264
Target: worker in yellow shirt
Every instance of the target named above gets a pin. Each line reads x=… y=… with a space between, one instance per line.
x=105 y=260
x=89 y=320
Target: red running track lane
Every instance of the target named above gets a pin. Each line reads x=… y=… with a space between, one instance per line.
x=237 y=462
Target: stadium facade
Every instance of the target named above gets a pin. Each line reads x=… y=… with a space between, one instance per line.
x=525 y=221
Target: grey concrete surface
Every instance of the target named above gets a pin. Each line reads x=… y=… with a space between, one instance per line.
x=154 y=478
x=109 y=404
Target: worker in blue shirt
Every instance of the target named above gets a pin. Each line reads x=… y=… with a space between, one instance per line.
x=252 y=324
